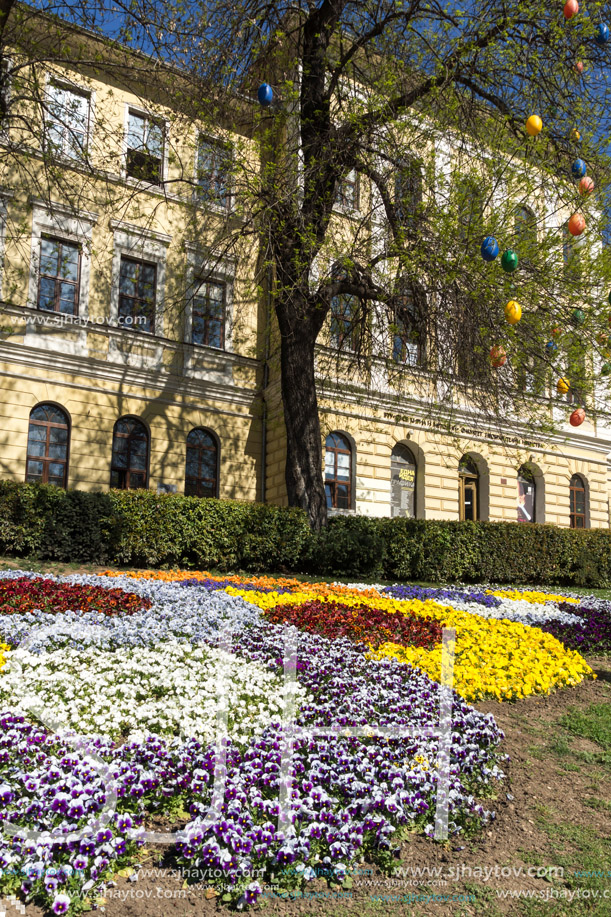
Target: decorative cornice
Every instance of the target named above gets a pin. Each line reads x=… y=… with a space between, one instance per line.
x=64 y=209
x=133 y=229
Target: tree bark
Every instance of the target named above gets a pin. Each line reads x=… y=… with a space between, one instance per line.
x=304 y=482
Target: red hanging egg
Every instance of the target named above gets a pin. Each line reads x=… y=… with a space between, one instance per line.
x=498 y=357
x=558 y=331
x=571 y=8
x=586 y=185
x=576 y=224
x=577 y=417
x=579 y=66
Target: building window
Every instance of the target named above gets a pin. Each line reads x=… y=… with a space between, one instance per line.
x=137 y=284
x=468 y=490
x=144 y=148
x=402 y=482
x=201 y=477
x=338 y=472
x=59 y=276
x=208 y=325
x=348 y=193
x=345 y=313
x=408 y=339
x=67 y=120
x=214 y=167
x=408 y=192
x=130 y=454
x=526 y=495
x=48 y=439
x=578 y=502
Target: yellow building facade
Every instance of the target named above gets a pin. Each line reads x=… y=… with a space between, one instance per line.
x=134 y=345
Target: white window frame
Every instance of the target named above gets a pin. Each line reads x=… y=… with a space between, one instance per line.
x=165 y=126
x=132 y=241
x=203 y=264
x=77 y=89
x=61 y=222
x=197 y=199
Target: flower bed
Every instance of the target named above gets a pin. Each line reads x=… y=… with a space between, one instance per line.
x=350 y=794
x=151 y=675
x=495 y=657
x=24 y=594
x=364 y=623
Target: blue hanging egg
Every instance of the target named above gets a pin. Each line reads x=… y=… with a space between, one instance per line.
x=579 y=168
x=551 y=347
x=602 y=34
x=490 y=248
x=265 y=94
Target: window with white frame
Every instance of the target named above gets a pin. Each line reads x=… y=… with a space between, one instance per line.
x=348 y=192
x=214 y=170
x=208 y=319
x=137 y=294
x=67 y=120
x=144 y=157
x=59 y=276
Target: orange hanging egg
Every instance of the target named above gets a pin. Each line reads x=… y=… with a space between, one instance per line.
x=586 y=186
x=556 y=332
x=576 y=224
x=513 y=312
x=577 y=417
x=562 y=386
x=498 y=356
x=571 y=8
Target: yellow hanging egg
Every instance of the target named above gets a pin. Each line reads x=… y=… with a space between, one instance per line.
x=562 y=386
x=575 y=135
x=534 y=125
x=513 y=312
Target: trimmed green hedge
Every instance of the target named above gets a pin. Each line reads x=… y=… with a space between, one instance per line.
x=141 y=528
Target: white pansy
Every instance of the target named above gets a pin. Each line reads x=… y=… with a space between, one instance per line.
x=169 y=689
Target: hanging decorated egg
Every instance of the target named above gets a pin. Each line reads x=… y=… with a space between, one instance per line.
x=579 y=66
x=265 y=95
x=534 y=125
x=602 y=34
x=498 y=356
x=579 y=168
x=578 y=316
x=562 y=386
x=577 y=417
x=509 y=261
x=556 y=332
x=490 y=248
x=551 y=347
x=576 y=224
x=575 y=135
x=586 y=186
x=606 y=369
x=513 y=312
x=571 y=8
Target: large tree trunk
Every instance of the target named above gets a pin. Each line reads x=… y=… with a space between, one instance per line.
x=304 y=482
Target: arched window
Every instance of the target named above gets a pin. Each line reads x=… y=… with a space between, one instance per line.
x=527 y=492
x=130 y=454
x=579 y=503
x=338 y=471
x=48 y=439
x=403 y=471
x=201 y=476
x=468 y=489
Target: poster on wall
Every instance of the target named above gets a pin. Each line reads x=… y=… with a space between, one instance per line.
x=403 y=484
x=526 y=500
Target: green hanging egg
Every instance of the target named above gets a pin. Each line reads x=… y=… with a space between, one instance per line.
x=605 y=369
x=509 y=261
x=578 y=316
